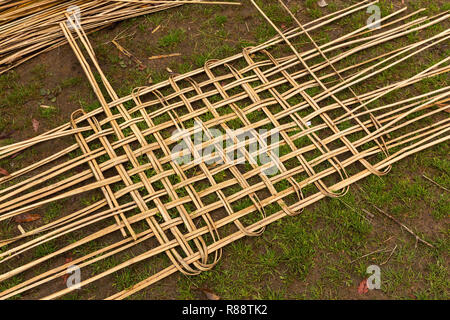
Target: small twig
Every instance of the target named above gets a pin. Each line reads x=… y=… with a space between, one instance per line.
x=392 y=252
x=122 y=35
x=405 y=227
x=353 y=209
x=180 y=1
x=435 y=183
x=6 y=135
x=370 y=214
x=128 y=54
x=398 y=222
x=322 y=3
x=357 y=186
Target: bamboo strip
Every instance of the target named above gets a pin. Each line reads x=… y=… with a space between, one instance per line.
x=142 y=158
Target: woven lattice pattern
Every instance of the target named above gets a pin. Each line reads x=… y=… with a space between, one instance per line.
x=313 y=137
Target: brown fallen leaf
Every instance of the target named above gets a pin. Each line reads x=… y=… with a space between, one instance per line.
x=4 y=172
x=27 y=217
x=66 y=276
x=35 y=125
x=362 y=288
x=209 y=294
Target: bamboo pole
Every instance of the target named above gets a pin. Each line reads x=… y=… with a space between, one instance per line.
x=194 y=244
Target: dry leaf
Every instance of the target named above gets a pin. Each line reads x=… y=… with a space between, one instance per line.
x=4 y=172
x=35 y=125
x=16 y=154
x=27 y=217
x=362 y=288
x=209 y=294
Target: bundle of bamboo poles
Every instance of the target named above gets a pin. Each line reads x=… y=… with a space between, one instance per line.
x=31 y=27
x=156 y=206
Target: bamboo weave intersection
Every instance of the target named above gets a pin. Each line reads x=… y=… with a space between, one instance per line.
x=189 y=211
